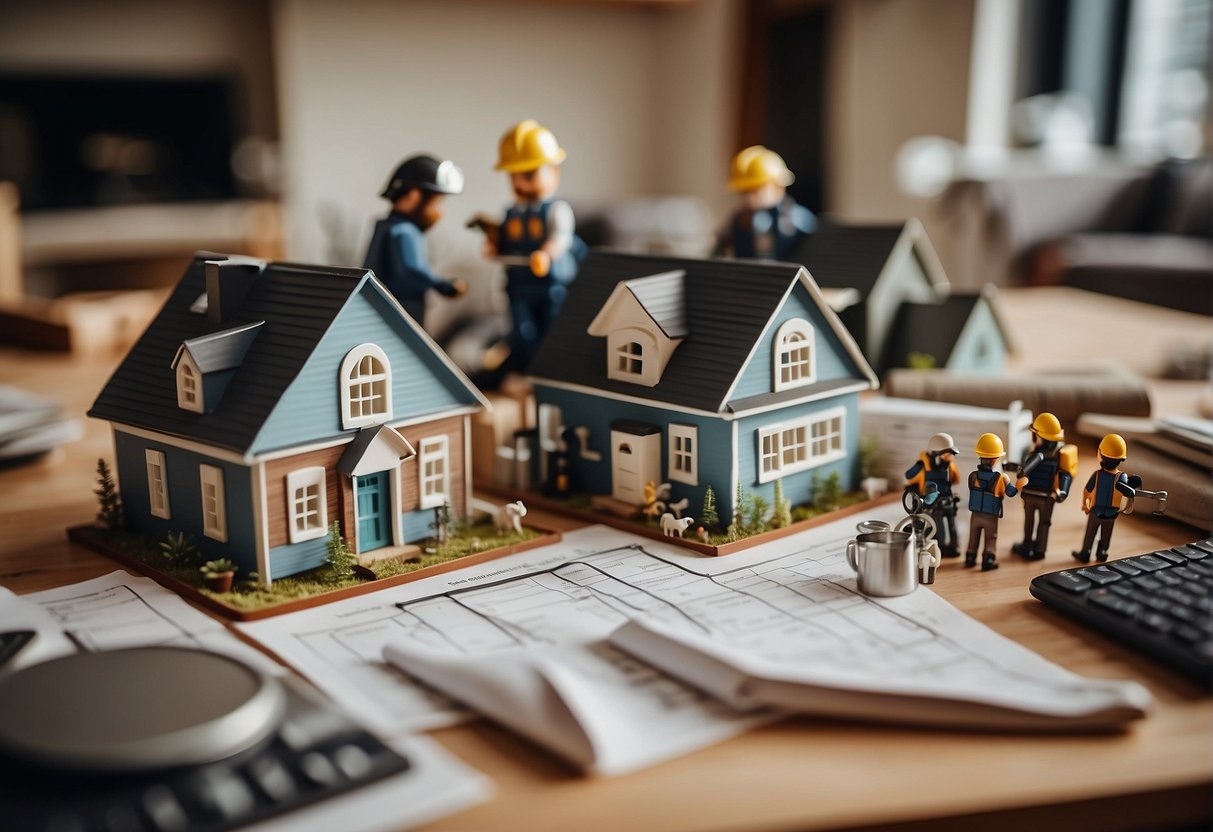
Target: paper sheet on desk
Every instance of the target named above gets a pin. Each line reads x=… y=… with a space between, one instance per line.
x=16 y=613
x=123 y=610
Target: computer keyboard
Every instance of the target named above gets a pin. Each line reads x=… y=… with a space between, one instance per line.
x=1159 y=604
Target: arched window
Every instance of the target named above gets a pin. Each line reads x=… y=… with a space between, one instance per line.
x=795 y=354
x=189 y=396
x=366 y=387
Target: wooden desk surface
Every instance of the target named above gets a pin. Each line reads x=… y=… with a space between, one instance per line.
x=801 y=773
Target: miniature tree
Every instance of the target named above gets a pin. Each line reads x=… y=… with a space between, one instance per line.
x=109 y=513
x=708 y=515
x=442 y=522
x=828 y=495
x=867 y=458
x=921 y=361
x=783 y=510
x=339 y=556
x=756 y=517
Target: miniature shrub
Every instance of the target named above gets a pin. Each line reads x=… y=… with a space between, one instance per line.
x=213 y=568
x=756 y=514
x=782 y=516
x=707 y=514
x=179 y=548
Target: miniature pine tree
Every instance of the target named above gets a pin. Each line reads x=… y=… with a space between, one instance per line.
x=339 y=556
x=109 y=502
x=708 y=515
x=830 y=492
x=756 y=518
x=783 y=511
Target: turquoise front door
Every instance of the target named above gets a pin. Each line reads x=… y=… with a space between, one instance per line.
x=374 y=516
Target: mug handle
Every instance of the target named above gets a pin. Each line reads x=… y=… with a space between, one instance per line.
x=853 y=554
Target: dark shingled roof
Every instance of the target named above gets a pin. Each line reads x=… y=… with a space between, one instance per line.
x=847 y=256
x=727 y=305
x=297 y=303
x=929 y=328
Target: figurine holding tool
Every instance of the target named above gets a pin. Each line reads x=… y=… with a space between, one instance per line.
x=397 y=251
x=536 y=241
x=935 y=473
x=1101 y=499
x=1045 y=477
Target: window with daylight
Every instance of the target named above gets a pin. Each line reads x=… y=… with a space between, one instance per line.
x=189 y=396
x=307 y=504
x=366 y=387
x=797 y=446
x=684 y=454
x=157 y=484
x=629 y=358
x=434 y=465
x=214 y=508
x=795 y=354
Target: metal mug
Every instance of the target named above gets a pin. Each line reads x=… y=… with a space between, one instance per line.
x=886 y=562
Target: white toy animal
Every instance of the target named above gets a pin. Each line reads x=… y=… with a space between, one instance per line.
x=679 y=507
x=672 y=526
x=509 y=517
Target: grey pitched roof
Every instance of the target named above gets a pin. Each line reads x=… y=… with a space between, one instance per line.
x=663 y=297
x=727 y=304
x=930 y=328
x=847 y=256
x=297 y=304
x=220 y=350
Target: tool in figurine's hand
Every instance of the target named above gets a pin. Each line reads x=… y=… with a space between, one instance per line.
x=486 y=225
x=1153 y=501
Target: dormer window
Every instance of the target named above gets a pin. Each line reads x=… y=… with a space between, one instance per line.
x=366 y=387
x=189 y=387
x=795 y=355
x=630 y=358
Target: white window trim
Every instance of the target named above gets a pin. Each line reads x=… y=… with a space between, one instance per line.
x=348 y=364
x=429 y=449
x=155 y=462
x=302 y=480
x=682 y=431
x=186 y=369
x=214 y=525
x=780 y=349
x=776 y=431
x=622 y=339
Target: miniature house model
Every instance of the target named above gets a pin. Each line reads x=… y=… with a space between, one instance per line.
x=720 y=373
x=266 y=401
x=887 y=285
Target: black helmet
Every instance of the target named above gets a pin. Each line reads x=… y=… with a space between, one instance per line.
x=425 y=172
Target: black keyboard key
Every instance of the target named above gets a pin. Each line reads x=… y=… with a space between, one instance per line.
x=1125 y=589
x=1177 y=595
x=1185 y=614
x=1148 y=563
x=1069 y=581
x=1169 y=578
x=1171 y=557
x=1111 y=601
x=1150 y=583
x=1187 y=633
x=1201 y=567
x=1125 y=568
x=1186 y=574
x=165 y=811
x=1195 y=551
x=1099 y=575
x=1157 y=621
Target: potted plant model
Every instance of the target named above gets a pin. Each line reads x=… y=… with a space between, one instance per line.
x=218 y=574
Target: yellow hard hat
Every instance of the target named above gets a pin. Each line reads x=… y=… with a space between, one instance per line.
x=1113 y=447
x=1047 y=427
x=989 y=446
x=756 y=166
x=528 y=146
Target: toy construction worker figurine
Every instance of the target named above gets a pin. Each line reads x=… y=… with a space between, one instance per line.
x=1044 y=479
x=536 y=241
x=397 y=250
x=769 y=222
x=1101 y=498
x=935 y=473
x=987 y=487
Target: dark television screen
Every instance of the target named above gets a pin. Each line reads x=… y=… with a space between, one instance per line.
x=74 y=141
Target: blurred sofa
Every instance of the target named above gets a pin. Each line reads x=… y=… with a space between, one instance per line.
x=1144 y=233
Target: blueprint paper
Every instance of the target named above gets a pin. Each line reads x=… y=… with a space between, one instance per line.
x=122 y=610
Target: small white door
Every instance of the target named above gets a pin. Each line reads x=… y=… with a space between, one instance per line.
x=635 y=460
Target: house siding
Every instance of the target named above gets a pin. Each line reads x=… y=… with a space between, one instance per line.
x=979 y=347
x=185 y=499
x=904 y=279
x=310 y=409
x=713 y=457
x=758 y=375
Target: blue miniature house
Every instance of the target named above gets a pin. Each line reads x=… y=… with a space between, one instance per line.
x=266 y=401
x=722 y=373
